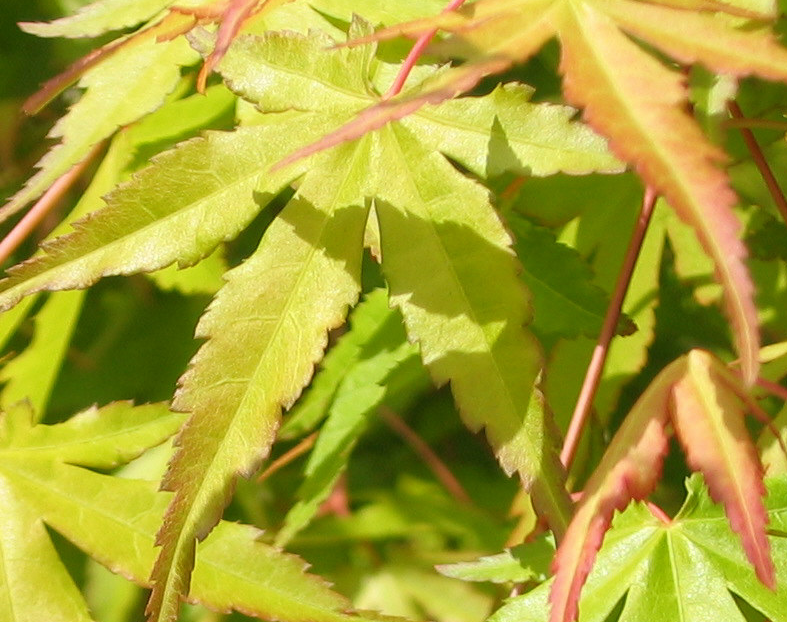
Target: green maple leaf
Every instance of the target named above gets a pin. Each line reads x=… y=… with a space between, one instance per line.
x=639 y=104
x=684 y=570
x=280 y=72
x=37 y=584
x=355 y=400
x=565 y=299
x=46 y=478
x=267 y=326
x=98 y=17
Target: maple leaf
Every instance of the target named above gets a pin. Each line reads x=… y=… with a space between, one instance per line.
x=46 y=478
x=98 y=17
x=700 y=398
x=353 y=403
x=565 y=302
x=31 y=458
x=686 y=569
x=272 y=71
x=142 y=73
x=639 y=105
x=236 y=388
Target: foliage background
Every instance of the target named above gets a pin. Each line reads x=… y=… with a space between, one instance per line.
x=134 y=339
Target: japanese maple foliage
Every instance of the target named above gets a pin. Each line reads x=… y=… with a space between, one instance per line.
x=416 y=224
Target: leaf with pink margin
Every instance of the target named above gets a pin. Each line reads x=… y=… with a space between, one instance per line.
x=629 y=470
x=708 y=417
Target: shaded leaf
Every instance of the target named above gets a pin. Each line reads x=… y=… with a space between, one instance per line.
x=565 y=299
x=366 y=321
x=31 y=374
x=357 y=397
x=468 y=310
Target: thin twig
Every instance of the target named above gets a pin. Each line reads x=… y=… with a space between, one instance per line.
x=43 y=206
x=296 y=452
x=773 y=388
x=596 y=366
x=759 y=160
x=430 y=458
x=760 y=124
x=415 y=54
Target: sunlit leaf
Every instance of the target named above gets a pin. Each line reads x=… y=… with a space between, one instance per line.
x=467 y=312
x=684 y=570
x=97 y=18
x=288 y=294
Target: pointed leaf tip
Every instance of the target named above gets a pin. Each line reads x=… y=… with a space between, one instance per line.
x=709 y=421
x=629 y=470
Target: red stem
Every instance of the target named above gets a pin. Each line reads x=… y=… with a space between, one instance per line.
x=773 y=388
x=596 y=366
x=760 y=161
x=415 y=54
x=43 y=206
x=430 y=458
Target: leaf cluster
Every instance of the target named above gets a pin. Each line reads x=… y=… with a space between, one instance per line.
x=382 y=241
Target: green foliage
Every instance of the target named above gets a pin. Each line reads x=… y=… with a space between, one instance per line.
x=402 y=267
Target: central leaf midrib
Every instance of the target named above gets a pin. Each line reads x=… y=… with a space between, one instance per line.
x=188 y=523
x=457 y=281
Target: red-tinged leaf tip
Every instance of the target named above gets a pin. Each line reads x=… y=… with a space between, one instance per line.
x=629 y=470
x=232 y=19
x=708 y=419
x=447 y=85
x=54 y=86
x=640 y=106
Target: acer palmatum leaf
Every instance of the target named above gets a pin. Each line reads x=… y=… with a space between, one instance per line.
x=529 y=37
x=629 y=470
x=267 y=328
x=708 y=418
x=640 y=106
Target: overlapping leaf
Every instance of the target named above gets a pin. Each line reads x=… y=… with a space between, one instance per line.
x=701 y=400
x=638 y=104
x=249 y=387
x=236 y=388
x=115 y=520
x=366 y=322
x=296 y=287
x=687 y=569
